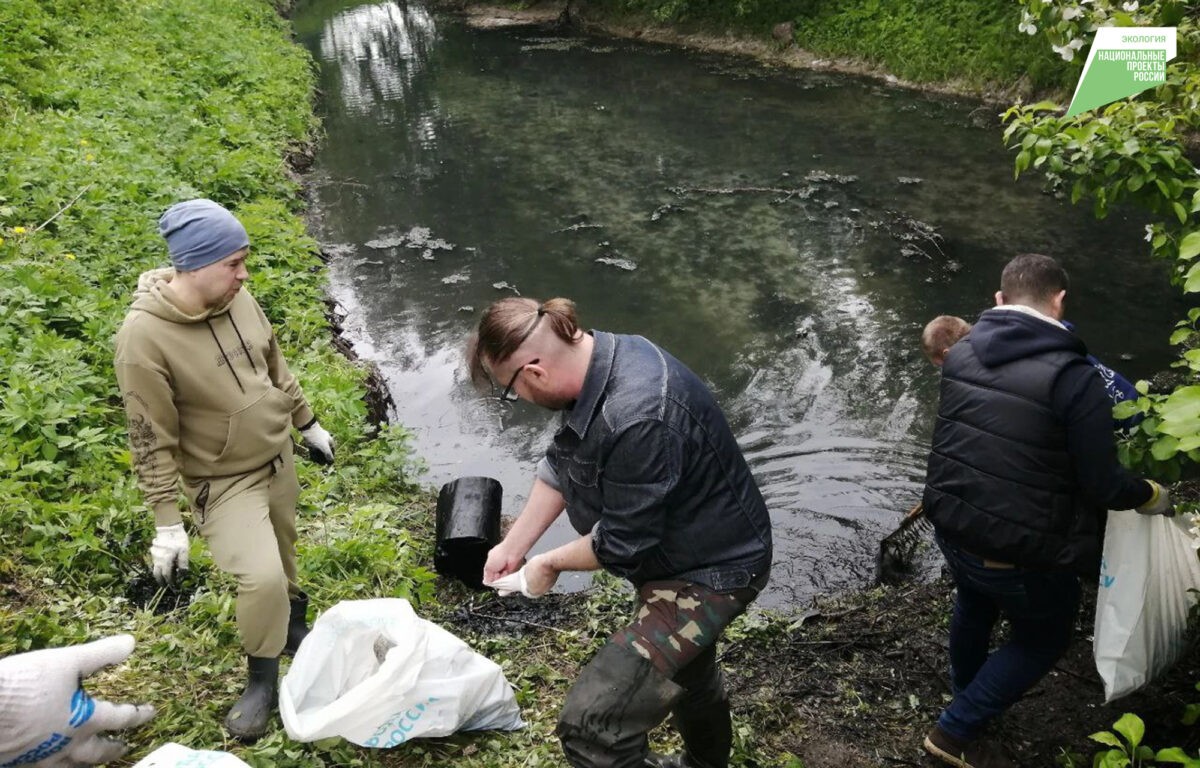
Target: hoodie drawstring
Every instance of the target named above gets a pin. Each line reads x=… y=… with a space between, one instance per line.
x=243 y=343
x=228 y=364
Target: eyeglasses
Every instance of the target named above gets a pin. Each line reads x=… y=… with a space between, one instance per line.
x=508 y=396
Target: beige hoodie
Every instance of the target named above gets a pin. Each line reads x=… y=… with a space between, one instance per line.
x=206 y=395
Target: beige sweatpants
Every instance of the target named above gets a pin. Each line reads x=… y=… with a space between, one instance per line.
x=249 y=522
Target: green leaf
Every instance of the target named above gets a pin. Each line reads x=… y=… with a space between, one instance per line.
x=1125 y=409
x=1107 y=737
x=1180 y=212
x=1022 y=162
x=1180 y=335
x=1172 y=755
x=1189 y=444
x=1189 y=247
x=1191 y=281
x=1165 y=447
x=1044 y=106
x=1131 y=727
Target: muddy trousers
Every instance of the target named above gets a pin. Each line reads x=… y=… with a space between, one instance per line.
x=249 y=523
x=664 y=663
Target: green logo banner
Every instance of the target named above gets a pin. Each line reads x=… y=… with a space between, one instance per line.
x=1123 y=61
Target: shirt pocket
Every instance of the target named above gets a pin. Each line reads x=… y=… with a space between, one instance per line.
x=581 y=486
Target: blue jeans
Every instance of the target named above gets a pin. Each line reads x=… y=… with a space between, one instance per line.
x=1040 y=607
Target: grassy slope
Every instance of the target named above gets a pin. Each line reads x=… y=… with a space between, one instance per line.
x=973 y=44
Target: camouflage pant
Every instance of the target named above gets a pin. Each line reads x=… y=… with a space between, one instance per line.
x=677 y=620
x=664 y=662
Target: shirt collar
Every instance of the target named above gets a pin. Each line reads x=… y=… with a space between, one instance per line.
x=595 y=381
x=1032 y=313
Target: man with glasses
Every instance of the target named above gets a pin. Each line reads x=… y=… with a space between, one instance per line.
x=649 y=473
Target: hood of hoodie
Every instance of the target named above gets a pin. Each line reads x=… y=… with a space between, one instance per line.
x=155 y=295
x=1002 y=336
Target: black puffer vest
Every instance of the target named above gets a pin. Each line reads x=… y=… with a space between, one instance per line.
x=1000 y=483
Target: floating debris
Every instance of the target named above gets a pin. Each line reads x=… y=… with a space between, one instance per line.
x=916 y=236
x=578 y=226
x=384 y=243
x=466 y=308
x=909 y=180
x=619 y=263
x=819 y=175
x=458 y=277
x=416 y=238
x=551 y=44
x=663 y=210
x=427 y=255
x=505 y=286
x=332 y=250
x=831 y=204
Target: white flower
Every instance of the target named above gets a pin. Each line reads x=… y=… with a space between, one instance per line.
x=1066 y=51
x=1149 y=232
x=1131 y=6
x=1027 y=26
x=1072 y=13
x=1077 y=43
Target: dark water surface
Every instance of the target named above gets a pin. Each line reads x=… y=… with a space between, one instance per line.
x=785 y=234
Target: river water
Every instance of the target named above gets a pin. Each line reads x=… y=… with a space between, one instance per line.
x=785 y=234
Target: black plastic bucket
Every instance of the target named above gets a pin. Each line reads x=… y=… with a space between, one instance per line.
x=468 y=525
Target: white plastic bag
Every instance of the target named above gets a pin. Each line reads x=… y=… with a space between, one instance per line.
x=171 y=755
x=1143 y=602
x=374 y=673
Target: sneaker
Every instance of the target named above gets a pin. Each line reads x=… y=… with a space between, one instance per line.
x=965 y=754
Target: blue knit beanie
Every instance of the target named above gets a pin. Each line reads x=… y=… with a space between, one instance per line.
x=200 y=232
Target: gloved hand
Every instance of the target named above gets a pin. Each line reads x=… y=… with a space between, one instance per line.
x=1159 y=504
x=319 y=442
x=511 y=584
x=169 y=553
x=47 y=719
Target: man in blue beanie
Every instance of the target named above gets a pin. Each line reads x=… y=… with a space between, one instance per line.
x=210 y=401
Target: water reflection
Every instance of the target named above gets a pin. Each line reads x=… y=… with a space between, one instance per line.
x=379 y=53
x=785 y=235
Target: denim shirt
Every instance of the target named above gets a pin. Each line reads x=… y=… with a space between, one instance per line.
x=647 y=463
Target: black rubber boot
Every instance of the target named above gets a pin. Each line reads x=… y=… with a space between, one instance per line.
x=247 y=720
x=297 y=624
x=702 y=714
x=617 y=699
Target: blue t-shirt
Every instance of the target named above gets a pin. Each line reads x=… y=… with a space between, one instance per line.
x=1118 y=387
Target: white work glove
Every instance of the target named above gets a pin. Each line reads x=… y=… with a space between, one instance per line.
x=169 y=553
x=319 y=442
x=511 y=584
x=47 y=719
x=1159 y=504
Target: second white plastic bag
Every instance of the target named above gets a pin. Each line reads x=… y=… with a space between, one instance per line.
x=1143 y=602
x=376 y=674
